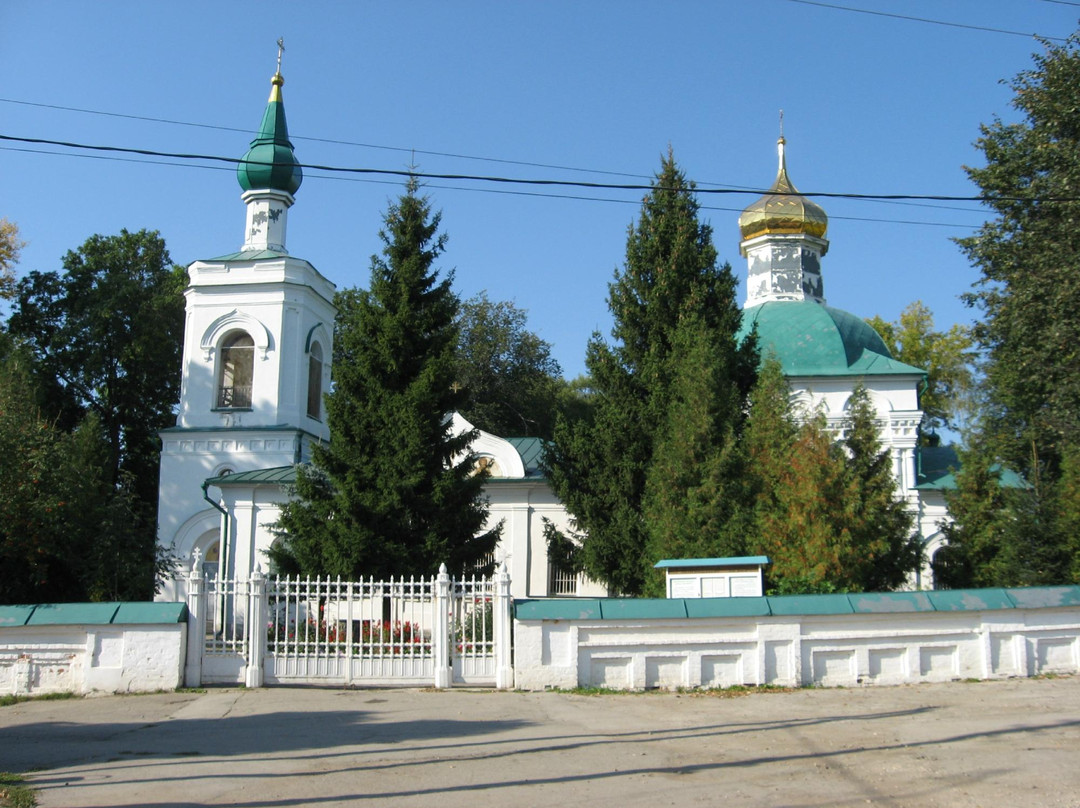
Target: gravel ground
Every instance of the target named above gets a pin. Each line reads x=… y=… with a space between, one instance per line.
x=1014 y=742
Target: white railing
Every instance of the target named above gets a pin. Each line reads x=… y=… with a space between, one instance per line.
x=308 y=630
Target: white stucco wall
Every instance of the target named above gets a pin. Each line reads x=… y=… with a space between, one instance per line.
x=87 y=659
x=827 y=650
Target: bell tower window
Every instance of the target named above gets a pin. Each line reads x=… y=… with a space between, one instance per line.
x=315 y=376
x=235 y=370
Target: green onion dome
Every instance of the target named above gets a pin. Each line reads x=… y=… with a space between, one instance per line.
x=811 y=339
x=270 y=163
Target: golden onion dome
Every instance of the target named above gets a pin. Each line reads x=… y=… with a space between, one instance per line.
x=783 y=210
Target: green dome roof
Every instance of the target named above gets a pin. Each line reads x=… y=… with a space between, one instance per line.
x=273 y=165
x=811 y=339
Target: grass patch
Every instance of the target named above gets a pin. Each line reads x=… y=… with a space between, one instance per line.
x=7 y=701
x=14 y=793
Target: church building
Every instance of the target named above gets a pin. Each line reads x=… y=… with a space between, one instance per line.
x=257 y=356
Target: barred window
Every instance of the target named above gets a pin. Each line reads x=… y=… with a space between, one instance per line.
x=236 y=365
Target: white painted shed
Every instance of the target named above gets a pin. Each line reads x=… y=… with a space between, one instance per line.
x=733 y=577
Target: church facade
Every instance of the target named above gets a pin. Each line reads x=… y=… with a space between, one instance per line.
x=257 y=357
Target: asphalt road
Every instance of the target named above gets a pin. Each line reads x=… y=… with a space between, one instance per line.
x=1013 y=742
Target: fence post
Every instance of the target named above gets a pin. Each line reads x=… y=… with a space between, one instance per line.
x=441 y=640
x=257 y=611
x=503 y=630
x=196 y=626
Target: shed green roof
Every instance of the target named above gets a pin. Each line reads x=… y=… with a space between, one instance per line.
x=93 y=614
x=696 y=563
x=811 y=339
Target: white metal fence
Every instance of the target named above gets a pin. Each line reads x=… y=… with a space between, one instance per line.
x=283 y=630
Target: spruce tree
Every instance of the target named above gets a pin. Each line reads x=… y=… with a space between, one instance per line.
x=394 y=492
x=879 y=547
x=696 y=495
x=670 y=289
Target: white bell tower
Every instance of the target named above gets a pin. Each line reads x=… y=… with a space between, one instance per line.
x=258 y=342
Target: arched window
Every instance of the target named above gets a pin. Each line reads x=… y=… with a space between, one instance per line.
x=211 y=565
x=236 y=364
x=314 y=382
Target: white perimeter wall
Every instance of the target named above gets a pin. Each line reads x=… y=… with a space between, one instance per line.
x=85 y=659
x=828 y=650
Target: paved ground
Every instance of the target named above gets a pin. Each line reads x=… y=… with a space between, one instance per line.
x=964 y=744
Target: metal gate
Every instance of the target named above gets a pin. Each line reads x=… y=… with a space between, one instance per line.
x=283 y=630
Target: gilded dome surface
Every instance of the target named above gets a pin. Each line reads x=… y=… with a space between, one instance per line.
x=783 y=210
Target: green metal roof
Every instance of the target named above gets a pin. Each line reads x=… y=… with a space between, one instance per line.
x=942 y=600
x=269 y=162
x=733 y=561
x=811 y=339
x=15 y=615
x=92 y=614
x=531 y=451
x=249 y=255
x=938 y=466
x=727 y=607
x=279 y=475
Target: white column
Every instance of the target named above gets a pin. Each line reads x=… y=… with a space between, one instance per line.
x=441 y=639
x=257 y=610
x=503 y=630
x=196 y=625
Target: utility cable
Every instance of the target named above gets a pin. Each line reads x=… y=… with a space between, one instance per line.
x=524 y=181
x=836 y=7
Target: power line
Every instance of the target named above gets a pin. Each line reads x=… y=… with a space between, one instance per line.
x=504 y=191
x=331 y=141
x=525 y=181
x=528 y=163
x=927 y=20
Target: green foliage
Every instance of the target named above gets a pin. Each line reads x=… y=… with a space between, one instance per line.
x=66 y=533
x=105 y=337
x=947 y=358
x=10 y=247
x=696 y=502
x=827 y=513
x=394 y=492
x=1005 y=535
x=1029 y=256
x=1029 y=294
x=670 y=296
x=511 y=381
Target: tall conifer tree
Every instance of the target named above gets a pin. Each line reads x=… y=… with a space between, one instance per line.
x=669 y=289
x=394 y=492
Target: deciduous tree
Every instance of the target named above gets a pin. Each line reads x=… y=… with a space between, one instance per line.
x=10 y=247
x=511 y=381
x=946 y=356
x=106 y=336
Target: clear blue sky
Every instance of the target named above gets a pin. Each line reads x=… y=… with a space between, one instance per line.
x=549 y=90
